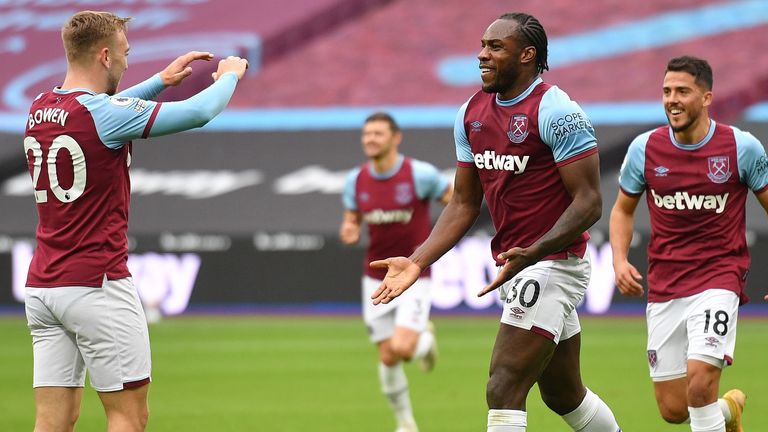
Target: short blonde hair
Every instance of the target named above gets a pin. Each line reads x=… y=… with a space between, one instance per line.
x=85 y=29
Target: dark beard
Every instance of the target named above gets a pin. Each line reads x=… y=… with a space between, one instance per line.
x=682 y=127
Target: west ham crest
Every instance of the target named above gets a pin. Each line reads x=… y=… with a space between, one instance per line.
x=652 y=358
x=403 y=193
x=719 y=169
x=518 y=128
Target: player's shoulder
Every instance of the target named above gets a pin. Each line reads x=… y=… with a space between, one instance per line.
x=556 y=103
x=423 y=169
x=113 y=103
x=642 y=139
x=744 y=138
x=419 y=164
x=352 y=174
x=479 y=98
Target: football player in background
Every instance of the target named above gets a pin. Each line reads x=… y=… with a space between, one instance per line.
x=391 y=193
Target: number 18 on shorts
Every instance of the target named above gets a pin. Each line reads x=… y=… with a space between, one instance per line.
x=700 y=327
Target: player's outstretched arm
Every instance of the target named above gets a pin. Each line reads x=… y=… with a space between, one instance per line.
x=447 y=195
x=201 y=108
x=455 y=220
x=620 y=235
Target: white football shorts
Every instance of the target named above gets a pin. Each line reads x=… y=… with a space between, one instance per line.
x=102 y=330
x=700 y=327
x=410 y=309
x=543 y=297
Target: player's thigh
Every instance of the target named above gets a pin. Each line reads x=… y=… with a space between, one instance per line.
x=56 y=406
x=412 y=312
x=112 y=336
x=57 y=360
x=379 y=319
x=518 y=359
x=560 y=382
x=711 y=327
x=127 y=406
x=543 y=297
x=667 y=339
x=671 y=399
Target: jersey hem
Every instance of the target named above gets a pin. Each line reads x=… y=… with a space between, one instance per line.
x=577 y=157
x=632 y=194
x=663 y=298
x=757 y=191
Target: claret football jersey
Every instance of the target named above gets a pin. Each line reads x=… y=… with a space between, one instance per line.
x=696 y=198
x=517 y=147
x=395 y=206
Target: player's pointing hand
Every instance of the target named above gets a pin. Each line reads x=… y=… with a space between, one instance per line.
x=179 y=69
x=401 y=274
x=516 y=260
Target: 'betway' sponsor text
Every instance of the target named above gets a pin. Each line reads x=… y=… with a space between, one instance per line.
x=490 y=160
x=379 y=216
x=686 y=201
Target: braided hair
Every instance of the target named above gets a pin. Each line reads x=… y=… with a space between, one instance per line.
x=530 y=32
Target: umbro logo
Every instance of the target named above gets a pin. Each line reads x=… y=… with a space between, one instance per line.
x=476 y=125
x=516 y=312
x=661 y=171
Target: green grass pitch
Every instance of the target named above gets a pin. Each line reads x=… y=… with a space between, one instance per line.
x=315 y=373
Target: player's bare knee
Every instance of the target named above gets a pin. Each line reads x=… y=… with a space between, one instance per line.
x=561 y=402
x=388 y=358
x=702 y=389
x=674 y=413
x=403 y=349
x=506 y=389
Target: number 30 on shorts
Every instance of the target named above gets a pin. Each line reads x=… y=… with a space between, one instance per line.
x=720 y=325
x=529 y=292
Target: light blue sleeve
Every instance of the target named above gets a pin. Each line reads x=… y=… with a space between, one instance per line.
x=632 y=172
x=753 y=162
x=118 y=119
x=348 y=195
x=148 y=89
x=121 y=119
x=196 y=111
x=564 y=126
x=463 y=151
x=430 y=184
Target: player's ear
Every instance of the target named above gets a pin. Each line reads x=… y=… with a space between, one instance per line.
x=104 y=57
x=398 y=137
x=528 y=55
x=707 y=98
